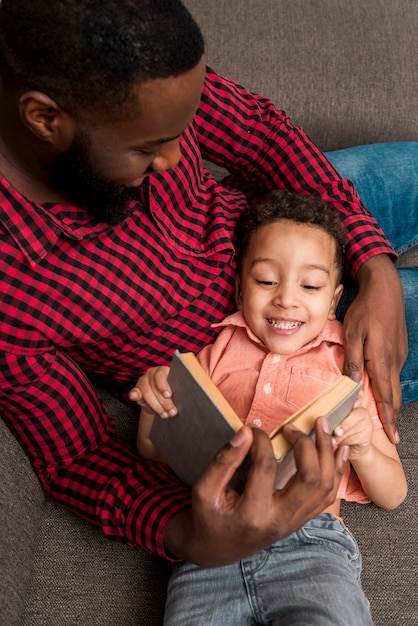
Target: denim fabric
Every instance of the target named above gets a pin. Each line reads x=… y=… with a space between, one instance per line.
x=310 y=578
x=386 y=177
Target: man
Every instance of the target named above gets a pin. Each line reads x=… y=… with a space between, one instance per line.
x=117 y=247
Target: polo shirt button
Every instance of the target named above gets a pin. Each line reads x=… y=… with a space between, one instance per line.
x=267 y=388
x=257 y=423
x=276 y=358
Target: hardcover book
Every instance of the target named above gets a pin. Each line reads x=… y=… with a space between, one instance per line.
x=205 y=422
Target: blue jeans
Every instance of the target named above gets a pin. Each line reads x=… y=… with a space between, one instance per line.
x=386 y=177
x=310 y=578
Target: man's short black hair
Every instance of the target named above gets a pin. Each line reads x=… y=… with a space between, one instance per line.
x=282 y=204
x=89 y=53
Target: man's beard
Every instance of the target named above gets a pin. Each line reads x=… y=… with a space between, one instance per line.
x=74 y=173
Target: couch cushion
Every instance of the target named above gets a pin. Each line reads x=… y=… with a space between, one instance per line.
x=388 y=540
x=80 y=577
x=345 y=70
x=21 y=508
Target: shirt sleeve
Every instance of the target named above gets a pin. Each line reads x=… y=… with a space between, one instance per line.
x=79 y=461
x=368 y=401
x=262 y=150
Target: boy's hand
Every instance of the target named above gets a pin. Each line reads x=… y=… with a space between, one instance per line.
x=355 y=431
x=153 y=393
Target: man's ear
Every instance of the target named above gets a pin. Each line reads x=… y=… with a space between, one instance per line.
x=46 y=119
x=334 y=303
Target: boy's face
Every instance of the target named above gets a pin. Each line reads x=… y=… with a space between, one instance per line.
x=288 y=284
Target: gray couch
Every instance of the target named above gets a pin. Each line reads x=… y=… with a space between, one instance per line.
x=347 y=71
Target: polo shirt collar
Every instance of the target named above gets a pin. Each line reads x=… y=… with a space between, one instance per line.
x=331 y=331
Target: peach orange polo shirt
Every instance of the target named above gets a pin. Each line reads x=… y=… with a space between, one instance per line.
x=265 y=388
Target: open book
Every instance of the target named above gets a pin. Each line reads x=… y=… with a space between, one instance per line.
x=205 y=422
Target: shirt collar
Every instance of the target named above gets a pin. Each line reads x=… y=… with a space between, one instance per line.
x=36 y=227
x=331 y=331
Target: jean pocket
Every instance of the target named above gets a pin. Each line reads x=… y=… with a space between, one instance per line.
x=327 y=529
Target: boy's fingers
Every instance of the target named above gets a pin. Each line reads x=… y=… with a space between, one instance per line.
x=161 y=382
x=136 y=396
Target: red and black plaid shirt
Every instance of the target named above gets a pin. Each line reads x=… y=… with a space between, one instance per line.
x=79 y=296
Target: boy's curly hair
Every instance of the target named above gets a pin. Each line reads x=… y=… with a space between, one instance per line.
x=282 y=204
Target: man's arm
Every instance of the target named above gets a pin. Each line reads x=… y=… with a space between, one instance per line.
x=54 y=412
x=263 y=150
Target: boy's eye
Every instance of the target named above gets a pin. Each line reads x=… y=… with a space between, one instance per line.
x=311 y=287
x=268 y=283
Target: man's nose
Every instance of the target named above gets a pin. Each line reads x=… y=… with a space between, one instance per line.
x=167 y=156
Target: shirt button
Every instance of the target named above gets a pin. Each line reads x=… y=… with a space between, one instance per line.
x=267 y=388
x=276 y=358
x=257 y=423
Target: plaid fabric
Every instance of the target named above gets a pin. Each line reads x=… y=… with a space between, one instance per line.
x=80 y=297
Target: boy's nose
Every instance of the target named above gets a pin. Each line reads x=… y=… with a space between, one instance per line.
x=285 y=295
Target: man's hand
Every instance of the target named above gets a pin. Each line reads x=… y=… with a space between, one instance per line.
x=223 y=527
x=375 y=335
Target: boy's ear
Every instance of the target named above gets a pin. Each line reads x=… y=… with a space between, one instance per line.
x=238 y=296
x=46 y=119
x=334 y=302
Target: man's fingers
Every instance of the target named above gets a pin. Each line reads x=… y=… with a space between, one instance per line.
x=353 y=359
x=317 y=466
x=332 y=465
x=387 y=392
x=375 y=332
x=308 y=460
x=388 y=417
x=219 y=472
x=262 y=471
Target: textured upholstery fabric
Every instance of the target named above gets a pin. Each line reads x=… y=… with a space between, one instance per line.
x=80 y=578
x=388 y=539
x=21 y=510
x=347 y=71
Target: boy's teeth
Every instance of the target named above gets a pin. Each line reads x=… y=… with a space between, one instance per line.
x=284 y=325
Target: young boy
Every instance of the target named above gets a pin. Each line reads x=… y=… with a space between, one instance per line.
x=281 y=348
